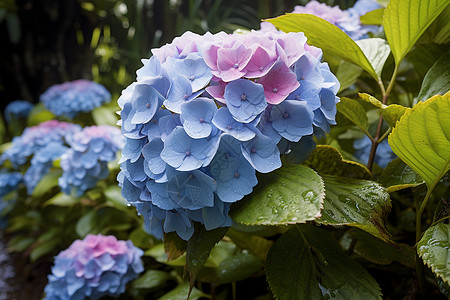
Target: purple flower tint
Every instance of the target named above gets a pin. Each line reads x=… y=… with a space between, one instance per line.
x=279 y=83
x=17 y=110
x=94 y=267
x=70 y=98
x=86 y=162
x=37 y=137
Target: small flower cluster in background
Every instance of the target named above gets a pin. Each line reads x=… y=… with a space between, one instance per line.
x=71 y=98
x=17 y=110
x=94 y=267
x=207 y=112
x=383 y=155
x=347 y=20
x=84 y=154
x=86 y=161
x=9 y=181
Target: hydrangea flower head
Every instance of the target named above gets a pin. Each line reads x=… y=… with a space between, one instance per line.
x=383 y=155
x=71 y=98
x=92 y=268
x=18 y=109
x=232 y=99
x=9 y=181
x=86 y=162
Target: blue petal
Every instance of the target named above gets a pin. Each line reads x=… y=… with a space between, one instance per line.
x=262 y=153
x=225 y=122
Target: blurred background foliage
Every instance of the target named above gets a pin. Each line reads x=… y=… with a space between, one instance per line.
x=45 y=42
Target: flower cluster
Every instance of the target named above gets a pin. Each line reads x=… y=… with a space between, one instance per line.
x=86 y=161
x=45 y=143
x=347 y=20
x=92 y=268
x=70 y=98
x=383 y=155
x=207 y=112
x=9 y=181
x=17 y=110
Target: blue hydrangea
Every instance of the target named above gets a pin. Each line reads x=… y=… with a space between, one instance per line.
x=35 y=138
x=17 y=110
x=86 y=162
x=207 y=113
x=71 y=98
x=92 y=268
x=9 y=181
x=383 y=155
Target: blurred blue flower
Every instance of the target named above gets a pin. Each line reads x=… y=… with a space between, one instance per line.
x=70 y=98
x=9 y=181
x=92 y=268
x=17 y=110
x=383 y=155
x=86 y=162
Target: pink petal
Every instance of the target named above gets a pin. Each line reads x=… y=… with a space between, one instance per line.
x=260 y=63
x=279 y=83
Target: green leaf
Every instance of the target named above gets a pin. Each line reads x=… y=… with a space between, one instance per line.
x=237 y=267
x=87 y=224
x=422 y=138
x=289 y=195
x=307 y=263
x=392 y=113
x=404 y=22
x=377 y=251
x=371 y=99
x=322 y=34
x=434 y=247
x=358 y=203
x=159 y=254
x=254 y=244
x=39 y=114
x=62 y=199
x=353 y=111
x=13 y=25
x=199 y=247
x=397 y=176
x=327 y=160
x=374 y=17
x=140 y=238
x=114 y=198
x=43 y=249
x=347 y=74
x=376 y=51
x=105 y=116
x=437 y=79
x=174 y=246
x=181 y=292
x=151 y=279
x=20 y=243
x=49 y=181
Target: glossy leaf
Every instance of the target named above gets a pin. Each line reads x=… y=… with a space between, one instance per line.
x=151 y=279
x=376 y=51
x=327 y=160
x=289 y=195
x=434 y=247
x=422 y=138
x=437 y=80
x=404 y=22
x=358 y=203
x=397 y=176
x=307 y=263
x=377 y=251
x=374 y=17
x=199 y=247
x=353 y=111
x=322 y=34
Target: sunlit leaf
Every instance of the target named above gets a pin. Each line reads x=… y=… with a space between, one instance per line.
x=359 y=203
x=437 y=80
x=237 y=267
x=322 y=34
x=307 y=263
x=376 y=51
x=291 y=194
x=347 y=74
x=392 y=113
x=151 y=279
x=374 y=17
x=404 y=22
x=327 y=160
x=397 y=176
x=434 y=247
x=422 y=138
